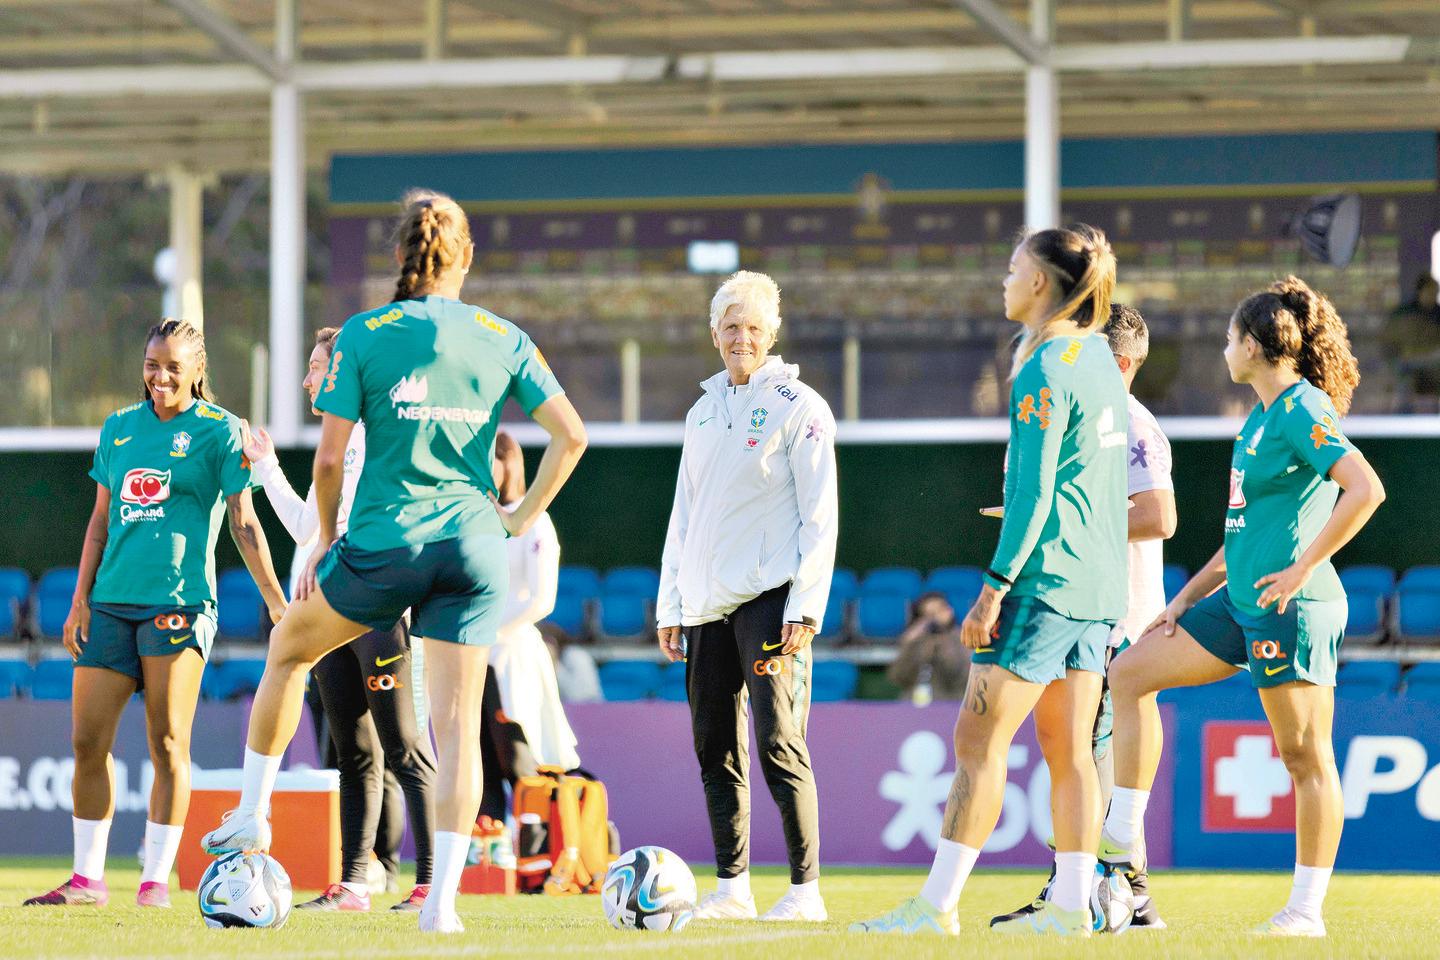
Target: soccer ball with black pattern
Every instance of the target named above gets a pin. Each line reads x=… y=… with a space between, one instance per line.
x=1112 y=902
x=648 y=888
x=245 y=890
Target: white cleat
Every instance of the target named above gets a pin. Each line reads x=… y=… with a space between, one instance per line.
x=436 y=922
x=793 y=908
x=720 y=906
x=249 y=833
x=1288 y=923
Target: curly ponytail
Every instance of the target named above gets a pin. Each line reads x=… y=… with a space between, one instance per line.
x=1081 y=266
x=1293 y=323
x=189 y=333
x=432 y=236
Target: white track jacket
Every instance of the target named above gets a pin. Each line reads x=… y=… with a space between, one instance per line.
x=755 y=503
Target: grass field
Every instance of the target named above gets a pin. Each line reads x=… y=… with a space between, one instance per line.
x=1209 y=914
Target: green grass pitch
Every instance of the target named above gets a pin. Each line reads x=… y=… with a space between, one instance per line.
x=1209 y=913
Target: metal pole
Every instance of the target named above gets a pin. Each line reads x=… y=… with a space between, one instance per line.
x=259 y=373
x=1042 y=127
x=287 y=235
x=850 y=378
x=187 y=200
x=630 y=381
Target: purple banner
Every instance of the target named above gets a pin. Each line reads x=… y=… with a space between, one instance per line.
x=883 y=770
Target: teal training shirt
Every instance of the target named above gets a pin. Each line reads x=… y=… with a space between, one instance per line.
x=1281 y=494
x=168 y=482
x=429 y=378
x=1064 y=537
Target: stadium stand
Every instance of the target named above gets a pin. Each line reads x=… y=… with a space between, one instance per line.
x=52 y=679
x=1176 y=577
x=1422 y=681
x=1368 y=588
x=229 y=679
x=240 y=605
x=627 y=601
x=14 y=600
x=52 y=599
x=844 y=585
x=832 y=680
x=961 y=586
x=1368 y=678
x=577 y=590
x=14 y=678
x=1417 y=605
x=672 y=682
x=883 y=605
x=629 y=679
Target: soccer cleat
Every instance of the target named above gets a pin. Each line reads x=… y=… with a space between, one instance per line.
x=722 y=906
x=248 y=833
x=434 y=922
x=792 y=907
x=1131 y=857
x=1048 y=919
x=338 y=897
x=153 y=894
x=1030 y=907
x=1146 y=916
x=915 y=915
x=1289 y=923
x=75 y=892
x=415 y=901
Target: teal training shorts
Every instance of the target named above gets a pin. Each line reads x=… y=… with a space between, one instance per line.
x=1303 y=643
x=1036 y=643
x=454 y=589
x=122 y=633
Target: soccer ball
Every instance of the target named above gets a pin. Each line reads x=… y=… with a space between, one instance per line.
x=245 y=890
x=1112 y=903
x=648 y=888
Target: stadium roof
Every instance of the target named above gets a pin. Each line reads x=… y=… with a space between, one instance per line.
x=139 y=85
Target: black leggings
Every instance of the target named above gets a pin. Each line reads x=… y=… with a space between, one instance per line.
x=365 y=687
x=504 y=752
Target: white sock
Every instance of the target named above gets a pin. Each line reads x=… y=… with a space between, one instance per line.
x=361 y=890
x=952 y=866
x=1308 y=893
x=1127 y=813
x=162 y=843
x=91 y=839
x=450 y=851
x=258 y=783
x=737 y=887
x=809 y=890
x=1074 y=872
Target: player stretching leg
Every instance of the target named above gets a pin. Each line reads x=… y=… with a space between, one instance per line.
x=365 y=687
x=166 y=470
x=1052 y=593
x=1299 y=491
x=1151 y=521
x=428 y=374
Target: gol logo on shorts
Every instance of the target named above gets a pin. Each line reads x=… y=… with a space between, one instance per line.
x=171 y=621
x=772 y=667
x=382 y=681
x=1266 y=650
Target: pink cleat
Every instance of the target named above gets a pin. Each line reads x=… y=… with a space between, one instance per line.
x=415 y=901
x=337 y=897
x=75 y=892
x=153 y=893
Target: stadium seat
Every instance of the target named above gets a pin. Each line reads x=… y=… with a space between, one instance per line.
x=14 y=678
x=832 y=680
x=627 y=601
x=1366 y=623
x=899 y=580
x=843 y=587
x=52 y=678
x=1366 y=679
x=882 y=616
x=672 y=682
x=240 y=603
x=629 y=679
x=642 y=580
x=961 y=585
x=569 y=613
x=1418 y=613
x=578 y=587
x=1422 y=681
x=52 y=599
x=235 y=678
x=14 y=594
x=580 y=581
x=1176 y=577
x=1368 y=576
x=1425 y=577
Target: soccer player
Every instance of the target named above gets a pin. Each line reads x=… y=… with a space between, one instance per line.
x=1054 y=590
x=429 y=375
x=1151 y=521
x=143 y=616
x=745 y=577
x=366 y=686
x=1299 y=491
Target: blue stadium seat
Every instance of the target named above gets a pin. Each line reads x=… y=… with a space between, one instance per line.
x=961 y=585
x=832 y=680
x=843 y=587
x=14 y=593
x=14 y=678
x=235 y=678
x=240 y=603
x=844 y=581
x=52 y=599
x=882 y=616
x=52 y=679
x=580 y=581
x=672 y=682
x=569 y=613
x=1423 y=681
x=1367 y=678
x=1418 y=613
x=1425 y=577
x=1176 y=577
x=627 y=599
x=1366 y=623
x=629 y=679
x=1371 y=577
x=905 y=581
x=577 y=588
x=641 y=580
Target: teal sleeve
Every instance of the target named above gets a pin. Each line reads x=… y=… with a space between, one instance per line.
x=1039 y=414
x=532 y=382
x=1312 y=429
x=100 y=468
x=234 y=467
x=341 y=392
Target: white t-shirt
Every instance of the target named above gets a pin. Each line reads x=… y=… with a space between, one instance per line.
x=1149 y=469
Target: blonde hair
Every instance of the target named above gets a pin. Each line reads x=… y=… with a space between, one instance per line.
x=1081 y=267
x=754 y=293
x=432 y=236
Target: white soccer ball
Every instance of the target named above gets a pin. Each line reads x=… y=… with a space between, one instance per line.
x=648 y=888
x=245 y=890
x=1112 y=902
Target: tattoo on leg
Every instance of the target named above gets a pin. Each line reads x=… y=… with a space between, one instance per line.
x=957 y=803
x=977 y=703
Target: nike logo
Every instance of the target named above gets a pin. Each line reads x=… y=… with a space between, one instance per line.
x=984 y=649
x=705 y=421
x=121 y=441
x=181 y=639
x=1271 y=671
x=386 y=663
x=772 y=646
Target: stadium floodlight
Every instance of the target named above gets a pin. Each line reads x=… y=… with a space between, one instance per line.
x=713 y=256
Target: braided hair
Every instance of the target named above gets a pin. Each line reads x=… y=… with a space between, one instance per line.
x=1294 y=324
x=185 y=331
x=432 y=235
x=1081 y=267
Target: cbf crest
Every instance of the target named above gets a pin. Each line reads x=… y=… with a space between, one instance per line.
x=757 y=417
x=180 y=444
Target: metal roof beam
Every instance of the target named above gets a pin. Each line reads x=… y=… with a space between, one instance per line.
x=228 y=35
x=999 y=25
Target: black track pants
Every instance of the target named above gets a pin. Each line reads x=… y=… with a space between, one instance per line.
x=734 y=666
